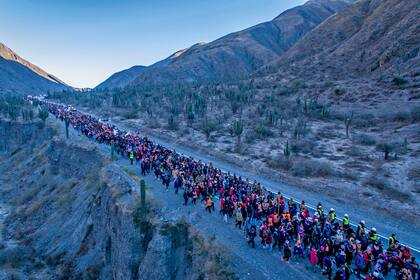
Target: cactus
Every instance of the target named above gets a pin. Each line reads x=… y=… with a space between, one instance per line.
x=272 y=118
x=286 y=149
x=238 y=129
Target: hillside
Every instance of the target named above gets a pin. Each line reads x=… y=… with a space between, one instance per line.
x=238 y=54
x=122 y=78
x=74 y=214
x=18 y=75
x=371 y=38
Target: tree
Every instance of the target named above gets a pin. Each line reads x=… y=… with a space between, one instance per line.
x=238 y=129
x=208 y=127
x=43 y=115
x=386 y=148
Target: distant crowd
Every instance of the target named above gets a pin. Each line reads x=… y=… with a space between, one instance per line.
x=268 y=220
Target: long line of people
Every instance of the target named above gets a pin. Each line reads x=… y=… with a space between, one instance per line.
x=333 y=247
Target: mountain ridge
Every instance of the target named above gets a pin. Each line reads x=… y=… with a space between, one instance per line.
x=238 y=54
x=21 y=76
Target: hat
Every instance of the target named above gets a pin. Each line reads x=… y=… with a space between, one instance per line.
x=362 y=222
x=374 y=229
x=332 y=209
x=346 y=215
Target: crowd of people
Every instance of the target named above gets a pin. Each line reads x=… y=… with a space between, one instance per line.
x=268 y=220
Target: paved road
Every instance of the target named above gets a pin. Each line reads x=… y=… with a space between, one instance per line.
x=407 y=233
x=248 y=263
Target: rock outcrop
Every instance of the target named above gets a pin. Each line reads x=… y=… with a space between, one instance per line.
x=76 y=215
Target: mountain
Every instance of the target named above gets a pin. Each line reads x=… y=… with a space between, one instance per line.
x=370 y=38
x=123 y=78
x=239 y=54
x=18 y=75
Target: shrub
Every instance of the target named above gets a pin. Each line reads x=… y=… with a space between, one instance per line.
x=263 y=132
x=414 y=173
x=208 y=126
x=365 y=139
x=378 y=182
x=386 y=148
x=415 y=114
x=132 y=114
x=43 y=114
x=339 y=91
x=15 y=257
x=280 y=162
x=399 y=81
x=306 y=167
x=305 y=146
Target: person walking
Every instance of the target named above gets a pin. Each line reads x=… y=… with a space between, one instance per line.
x=131 y=158
x=251 y=236
x=313 y=258
x=239 y=219
x=209 y=204
x=287 y=251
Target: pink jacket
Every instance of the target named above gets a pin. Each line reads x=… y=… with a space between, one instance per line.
x=313 y=257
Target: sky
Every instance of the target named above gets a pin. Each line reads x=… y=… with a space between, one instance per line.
x=83 y=42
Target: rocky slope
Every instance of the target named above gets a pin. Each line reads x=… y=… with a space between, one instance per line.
x=72 y=214
x=122 y=78
x=19 y=76
x=371 y=38
x=239 y=54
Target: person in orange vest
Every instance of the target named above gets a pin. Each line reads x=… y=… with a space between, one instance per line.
x=209 y=204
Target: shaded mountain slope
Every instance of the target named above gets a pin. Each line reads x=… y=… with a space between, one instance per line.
x=370 y=37
x=122 y=78
x=238 y=54
x=18 y=75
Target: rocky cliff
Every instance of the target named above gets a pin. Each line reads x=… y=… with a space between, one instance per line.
x=368 y=38
x=70 y=213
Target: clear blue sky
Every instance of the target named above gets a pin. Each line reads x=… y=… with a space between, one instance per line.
x=84 y=41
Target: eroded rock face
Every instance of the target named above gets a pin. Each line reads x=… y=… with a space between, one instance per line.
x=75 y=215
